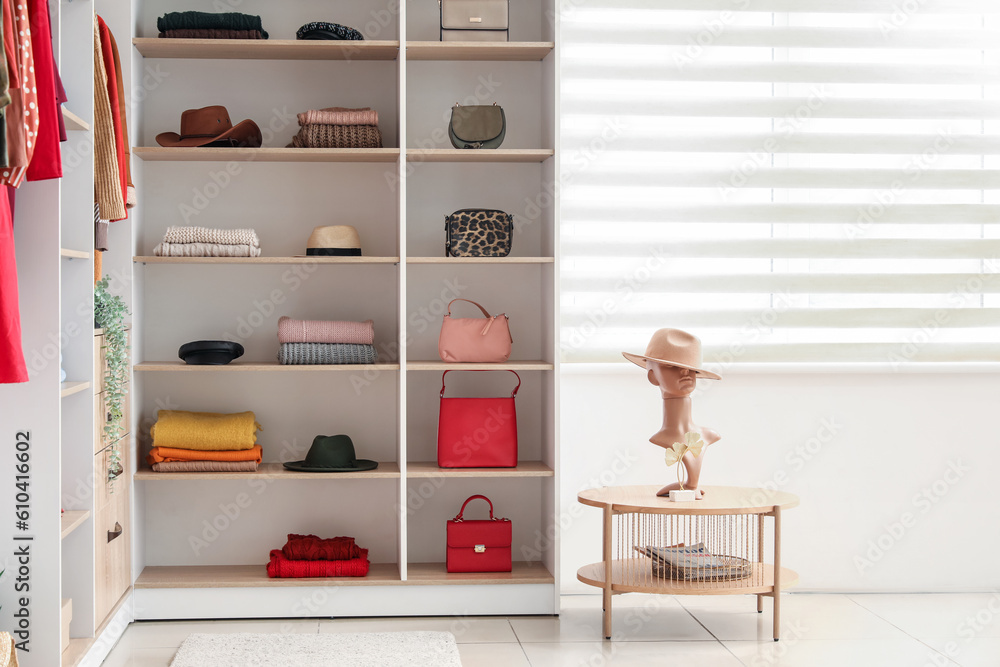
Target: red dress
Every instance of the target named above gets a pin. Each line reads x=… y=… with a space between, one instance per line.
x=12 y=368
x=47 y=159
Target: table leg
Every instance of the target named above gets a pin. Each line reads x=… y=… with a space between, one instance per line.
x=607 y=572
x=776 y=621
x=760 y=556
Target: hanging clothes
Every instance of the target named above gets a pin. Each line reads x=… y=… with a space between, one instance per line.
x=12 y=367
x=22 y=116
x=130 y=196
x=47 y=160
x=116 y=104
x=107 y=178
x=4 y=100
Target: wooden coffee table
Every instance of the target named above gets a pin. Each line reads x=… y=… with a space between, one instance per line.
x=729 y=521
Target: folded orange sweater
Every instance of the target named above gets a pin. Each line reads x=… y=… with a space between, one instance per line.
x=162 y=454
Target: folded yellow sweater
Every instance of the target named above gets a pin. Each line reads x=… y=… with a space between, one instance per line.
x=206 y=431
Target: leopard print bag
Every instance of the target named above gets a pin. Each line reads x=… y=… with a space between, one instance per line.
x=478 y=232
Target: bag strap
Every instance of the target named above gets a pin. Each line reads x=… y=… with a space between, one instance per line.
x=512 y=394
x=470 y=499
x=484 y=311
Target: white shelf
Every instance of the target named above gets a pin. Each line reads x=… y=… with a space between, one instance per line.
x=313 y=259
x=430 y=470
x=71 y=520
x=265 y=366
x=480 y=260
x=431 y=365
x=264 y=154
x=74 y=122
x=495 y=51
x=266 y=49
x=73 y=254
x=275 y=471
x=527 y=155
x=70 y=388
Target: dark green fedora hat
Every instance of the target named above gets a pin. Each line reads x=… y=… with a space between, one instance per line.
x=331 y=453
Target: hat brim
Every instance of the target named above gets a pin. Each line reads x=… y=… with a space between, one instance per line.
x=246 y=134
x=640 y=360
x=300 y=466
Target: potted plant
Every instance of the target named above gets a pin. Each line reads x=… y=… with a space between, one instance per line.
x=109 y=314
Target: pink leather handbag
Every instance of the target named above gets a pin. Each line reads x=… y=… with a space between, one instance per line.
x=473 y=339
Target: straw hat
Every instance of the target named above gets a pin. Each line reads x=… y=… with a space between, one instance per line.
x=335 y=240
x=675 y=348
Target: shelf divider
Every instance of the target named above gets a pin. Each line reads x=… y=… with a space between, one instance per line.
x=264 y=154
x=257 y=366
x=312 y=259
x=500 y=155
x=385 y=470
x=430 y=469
x=497 y=51
x=431 y=365
x=480 y=260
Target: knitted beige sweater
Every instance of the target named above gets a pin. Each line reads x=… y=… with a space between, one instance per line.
x=107 y=178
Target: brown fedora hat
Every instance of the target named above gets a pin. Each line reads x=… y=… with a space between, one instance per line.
x=211 y=125
x=675 y=348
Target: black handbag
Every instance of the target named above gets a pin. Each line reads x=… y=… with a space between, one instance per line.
x=478 y=232
x=478 y=126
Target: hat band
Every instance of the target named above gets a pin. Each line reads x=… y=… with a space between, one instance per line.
x=199 y=136
x=334 y=252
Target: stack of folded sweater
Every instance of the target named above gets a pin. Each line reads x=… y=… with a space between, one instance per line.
x=206 y=242
x=204 y=25
x=321 y=342
x=204 y=442
x=338 y=127
x=310 y=556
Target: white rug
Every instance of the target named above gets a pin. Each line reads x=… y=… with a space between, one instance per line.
x=328 y=649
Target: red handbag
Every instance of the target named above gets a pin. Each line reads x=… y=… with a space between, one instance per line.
x=479 y=545
x=477 y=432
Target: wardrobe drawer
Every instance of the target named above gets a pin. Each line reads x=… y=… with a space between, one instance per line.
x=112 y=531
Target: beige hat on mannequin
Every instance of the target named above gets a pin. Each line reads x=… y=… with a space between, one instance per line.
x=675 y=348
x=334 y=241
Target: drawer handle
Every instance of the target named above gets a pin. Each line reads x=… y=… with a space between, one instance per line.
x=112 y=534
x=116 y=473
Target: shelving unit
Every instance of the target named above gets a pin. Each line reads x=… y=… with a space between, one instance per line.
x=395 y=197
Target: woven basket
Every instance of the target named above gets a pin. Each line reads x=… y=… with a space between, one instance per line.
x=337 y=136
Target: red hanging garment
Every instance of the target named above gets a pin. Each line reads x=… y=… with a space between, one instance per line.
x=12 y=368
x=22 y=116
x=108 y=53
x=47 y=160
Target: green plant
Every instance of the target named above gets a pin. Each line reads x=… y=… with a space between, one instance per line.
x=109 y=314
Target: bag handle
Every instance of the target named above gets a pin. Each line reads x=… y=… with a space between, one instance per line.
x=483 y=370
x=484 y=311
x=470 y=499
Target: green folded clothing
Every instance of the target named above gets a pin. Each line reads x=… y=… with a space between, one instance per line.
x=326 y=353
x=203 y=20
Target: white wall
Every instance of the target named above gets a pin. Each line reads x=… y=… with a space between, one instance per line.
x=919 y=448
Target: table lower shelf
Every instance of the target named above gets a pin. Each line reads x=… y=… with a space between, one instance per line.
x=635 y=576
x=380 y=574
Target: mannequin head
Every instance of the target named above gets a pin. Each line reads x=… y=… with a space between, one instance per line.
x=673 y=381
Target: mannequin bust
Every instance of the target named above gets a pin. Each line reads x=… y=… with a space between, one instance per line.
x=672 y=362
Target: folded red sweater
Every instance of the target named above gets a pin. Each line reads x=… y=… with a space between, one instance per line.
x=310 y=547
x=281 y=567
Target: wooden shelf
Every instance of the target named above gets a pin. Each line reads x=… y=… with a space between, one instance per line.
x=380 y=574
x=267 y=49
x=71 y=520
x=257 y=366
x=74 y=122
x=482 y=155
x=430 y=469
x=151 y=259
x=435 y=574
x=385 y=470
x=480 y=260
x=70 y=388
x=74 y=254
x=77 y=648
x=506 y=366
x=478 y=50
x=761 y=580
x=252 y=576
x=211 y=154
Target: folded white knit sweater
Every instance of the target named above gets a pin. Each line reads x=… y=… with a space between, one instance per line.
x=205 y=250
x=210 y=235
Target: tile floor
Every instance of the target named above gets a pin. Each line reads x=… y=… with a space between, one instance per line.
x=817 y=631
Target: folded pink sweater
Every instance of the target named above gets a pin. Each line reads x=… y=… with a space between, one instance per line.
x=321 y=331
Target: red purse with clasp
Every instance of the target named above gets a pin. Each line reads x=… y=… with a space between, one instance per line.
x=479 y=545
x=477 y=432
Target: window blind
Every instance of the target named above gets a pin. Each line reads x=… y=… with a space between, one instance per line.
x=810 y=181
